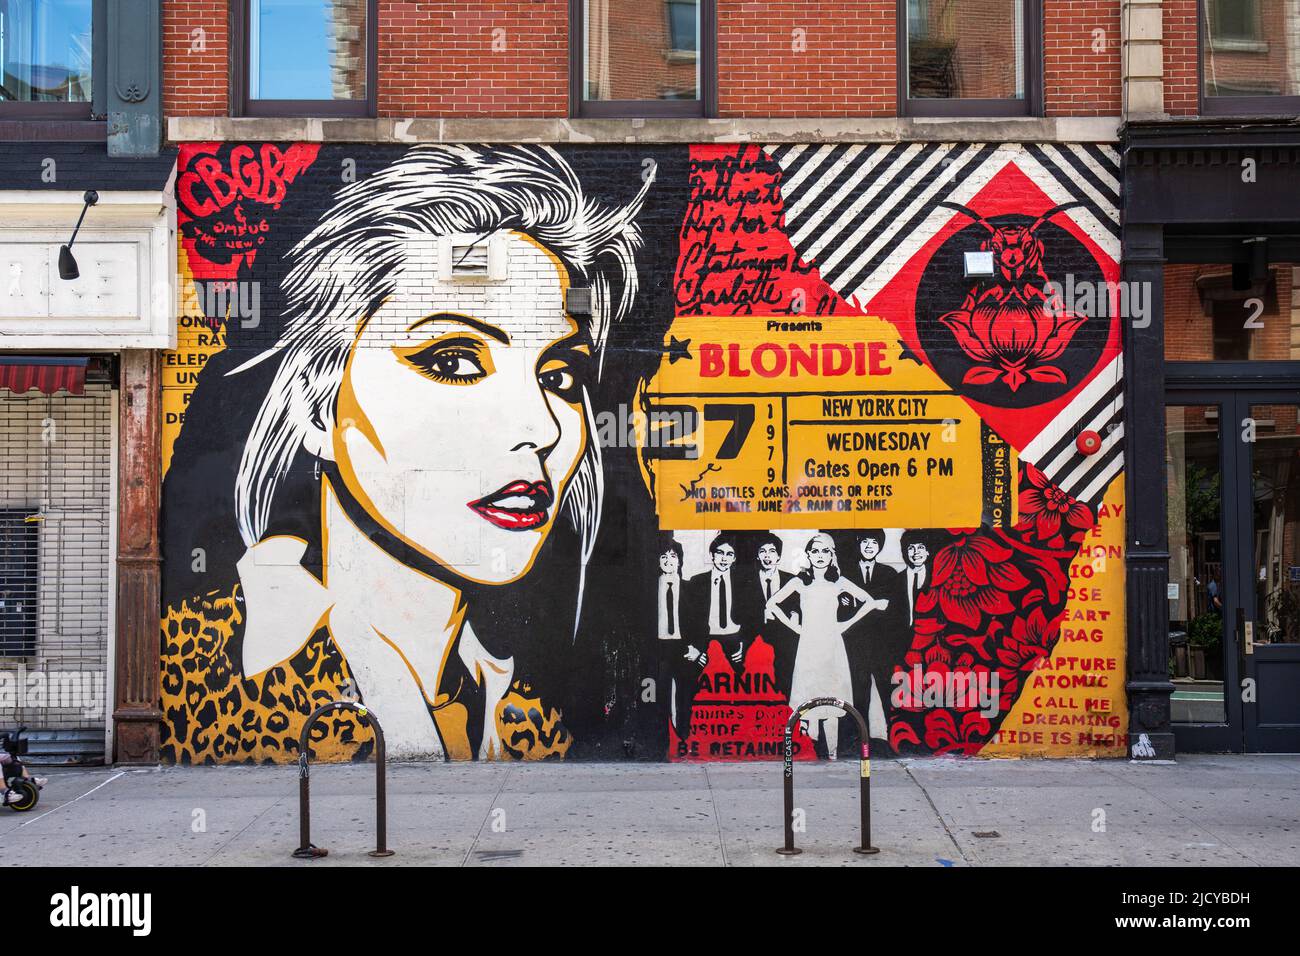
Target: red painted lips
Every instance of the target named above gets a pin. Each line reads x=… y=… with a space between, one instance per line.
x=519 y=506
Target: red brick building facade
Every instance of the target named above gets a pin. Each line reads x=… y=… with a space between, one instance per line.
x=776 y=58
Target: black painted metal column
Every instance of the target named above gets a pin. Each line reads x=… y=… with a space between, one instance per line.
x=1147 y=546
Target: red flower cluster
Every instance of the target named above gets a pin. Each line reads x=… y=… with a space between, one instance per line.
x=1013 y=326
x=995 y=604
x=972 y=577
x=1048 y=511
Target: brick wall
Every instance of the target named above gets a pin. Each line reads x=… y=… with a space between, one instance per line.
x=630 y=53
x=778 y=58
x=1266 y=68
x=55 y=454
x=1189 y=332
x=489 y=58
x=1180 y=48
x=1081 y=68
x=1255 y=61
x=347 y=26
x=793 y=58
x=196 y=56
x=726 y=235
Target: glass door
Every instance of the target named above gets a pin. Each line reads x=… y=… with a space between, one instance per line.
x=1233 y=500
x=1202 y=589
x=1268 y=520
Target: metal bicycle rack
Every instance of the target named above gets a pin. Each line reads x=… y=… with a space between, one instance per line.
x=865 y=777
x=306 y=850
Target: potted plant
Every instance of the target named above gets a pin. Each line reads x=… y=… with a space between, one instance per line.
x=1205 y=641
x=1282 y=610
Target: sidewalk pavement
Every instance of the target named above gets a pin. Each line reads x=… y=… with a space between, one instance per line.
x=1202 y=810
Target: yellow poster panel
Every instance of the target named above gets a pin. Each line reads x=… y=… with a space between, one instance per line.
x=769 y=423
x=1074 y=702
x=198 y=338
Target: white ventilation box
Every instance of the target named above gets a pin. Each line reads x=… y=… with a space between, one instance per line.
x=469 y=258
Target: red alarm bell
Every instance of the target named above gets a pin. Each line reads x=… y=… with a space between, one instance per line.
x=1088 y=443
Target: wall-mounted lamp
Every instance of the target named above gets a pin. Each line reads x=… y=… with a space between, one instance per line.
x=977 y=264
x=67 y=264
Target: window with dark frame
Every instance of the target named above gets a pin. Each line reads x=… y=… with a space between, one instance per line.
x=970 y=57
x=1249 y=59
x=642 y=58
x=683 y=26
x=1234 y=22
x=46 y=59
x=304 y=57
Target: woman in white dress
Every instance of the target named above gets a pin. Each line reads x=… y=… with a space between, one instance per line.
x=821 y=664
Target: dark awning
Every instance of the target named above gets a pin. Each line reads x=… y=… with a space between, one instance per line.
x=45 y=373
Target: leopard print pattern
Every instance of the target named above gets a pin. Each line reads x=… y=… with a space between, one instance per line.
x=530 y=731
x=212 y=714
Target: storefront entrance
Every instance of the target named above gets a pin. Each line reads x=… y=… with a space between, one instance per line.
x=1212 y=231
x=1234 y=569
x=57 y=487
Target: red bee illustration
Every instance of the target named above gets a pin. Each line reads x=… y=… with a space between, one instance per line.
x=1013 y=327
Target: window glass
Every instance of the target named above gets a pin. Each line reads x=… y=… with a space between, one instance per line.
x=683 y=25
x=965 y=49
x=1222 y=313
x=1275 y=509
x=641 y=50
x=1196 y=582
x=1251 y=48
x=45 y=51
x=307 y=49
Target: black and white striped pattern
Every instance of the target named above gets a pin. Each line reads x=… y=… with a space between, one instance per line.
x=1086 y=173
x=860 y=212
x=1100 y=408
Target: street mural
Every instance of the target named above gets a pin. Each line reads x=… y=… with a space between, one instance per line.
x=608 y=452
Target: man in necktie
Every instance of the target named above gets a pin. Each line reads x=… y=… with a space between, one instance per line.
x=873 y=644
x=679 y=670
x=711 y=600
x=670 y=593
x=916 y=578
x=758 y=582
x=916 y=551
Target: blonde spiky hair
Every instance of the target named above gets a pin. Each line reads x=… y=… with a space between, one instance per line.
x=341 y=272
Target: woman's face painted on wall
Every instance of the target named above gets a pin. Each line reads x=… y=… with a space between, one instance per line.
x=460 y=419
x=821 y=552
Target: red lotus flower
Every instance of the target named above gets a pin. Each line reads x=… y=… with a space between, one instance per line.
x=972 y=577
x=1012 y=339
x=1046 y=506
x=1012 y=327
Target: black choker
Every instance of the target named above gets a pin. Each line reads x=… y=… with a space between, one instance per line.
x=380 y=536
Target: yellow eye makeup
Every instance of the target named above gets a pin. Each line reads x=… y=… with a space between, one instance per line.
x=450 y=360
